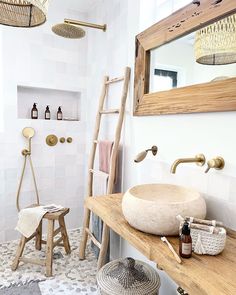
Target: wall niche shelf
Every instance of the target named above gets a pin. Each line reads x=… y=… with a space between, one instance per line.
x=69 y=100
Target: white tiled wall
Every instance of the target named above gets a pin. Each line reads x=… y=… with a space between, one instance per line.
x=39 y=58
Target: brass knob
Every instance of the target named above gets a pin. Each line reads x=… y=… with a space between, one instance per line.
x=217 y=163
x=69 y=139
x=51 y=140
x=62 y=140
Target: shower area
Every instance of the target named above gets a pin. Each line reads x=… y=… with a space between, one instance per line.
x=48 y=70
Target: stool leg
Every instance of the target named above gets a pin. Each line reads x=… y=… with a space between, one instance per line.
x=19 y=252
x=38 y=239
x=49 y=248
x=84 y=238
x=104 y=246
x=64 y=235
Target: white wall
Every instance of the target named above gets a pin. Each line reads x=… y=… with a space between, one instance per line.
x=37 y=57
x=175 y=135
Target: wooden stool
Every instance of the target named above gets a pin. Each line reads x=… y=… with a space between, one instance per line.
x=50 y=244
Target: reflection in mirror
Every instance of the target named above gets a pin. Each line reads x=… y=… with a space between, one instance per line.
x=174 y=64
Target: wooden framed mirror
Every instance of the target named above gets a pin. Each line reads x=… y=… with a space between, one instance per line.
x=213 y=95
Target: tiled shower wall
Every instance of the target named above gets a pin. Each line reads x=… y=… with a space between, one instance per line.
x=37 y=57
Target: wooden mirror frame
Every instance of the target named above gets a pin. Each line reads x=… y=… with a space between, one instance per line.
x=206 y=97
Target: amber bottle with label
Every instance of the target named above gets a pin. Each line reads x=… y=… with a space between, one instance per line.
x=47 y=113
x=185 y=241
x=59 y=114
x=34 y=112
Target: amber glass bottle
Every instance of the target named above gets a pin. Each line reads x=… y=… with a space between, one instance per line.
x=47 y=113
x=59 y=114
x=34 y=112
x=185 y=242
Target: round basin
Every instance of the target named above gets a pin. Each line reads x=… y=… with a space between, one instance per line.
x=152 y=208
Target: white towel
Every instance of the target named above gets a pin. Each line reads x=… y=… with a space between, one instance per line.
x=100 y=180
x=29 y=218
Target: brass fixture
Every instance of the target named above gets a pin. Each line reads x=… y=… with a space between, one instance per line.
x=28 y=133
x=199 y=159
x=62 y=140
x=141 y=156
x=217 y=163
x=69 y=29
x=51 y=140
x=69 y=139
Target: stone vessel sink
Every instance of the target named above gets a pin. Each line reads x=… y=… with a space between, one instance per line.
x=152 y=208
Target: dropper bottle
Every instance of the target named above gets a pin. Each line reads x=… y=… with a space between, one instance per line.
x=185 y=241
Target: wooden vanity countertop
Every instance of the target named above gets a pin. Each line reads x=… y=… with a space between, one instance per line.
x=199 y=275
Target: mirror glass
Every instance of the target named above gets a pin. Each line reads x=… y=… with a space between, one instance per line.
x=174 y=65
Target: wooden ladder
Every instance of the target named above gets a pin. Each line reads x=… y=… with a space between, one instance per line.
x=111 y=178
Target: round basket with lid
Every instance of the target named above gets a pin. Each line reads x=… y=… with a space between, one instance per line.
x=128 y=277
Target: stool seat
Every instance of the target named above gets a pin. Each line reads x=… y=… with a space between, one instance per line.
x=50 y=244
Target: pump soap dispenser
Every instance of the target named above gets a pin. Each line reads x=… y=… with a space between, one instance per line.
x=185 y=241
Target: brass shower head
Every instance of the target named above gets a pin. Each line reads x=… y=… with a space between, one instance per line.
x=28 y=132
x=68 y=31
x=70 y=28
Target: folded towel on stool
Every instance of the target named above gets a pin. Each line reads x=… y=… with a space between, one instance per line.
x=29 y=218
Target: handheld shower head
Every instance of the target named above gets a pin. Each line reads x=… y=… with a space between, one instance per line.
x=28 y=132
x=68 y=31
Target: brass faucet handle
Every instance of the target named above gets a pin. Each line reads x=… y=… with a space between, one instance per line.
x=217 y=163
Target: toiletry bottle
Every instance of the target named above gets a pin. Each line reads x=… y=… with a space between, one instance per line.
x=185 y=242
x=59 y=114
x=34 y=112
x=47 y=113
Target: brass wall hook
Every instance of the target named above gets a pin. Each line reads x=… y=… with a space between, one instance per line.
x=141 y=156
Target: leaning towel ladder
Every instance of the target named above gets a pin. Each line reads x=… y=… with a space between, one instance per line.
x=87 y=214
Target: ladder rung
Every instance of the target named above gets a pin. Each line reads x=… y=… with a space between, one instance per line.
x=115 y=80
x=114 y=111
x=96 y=171
x=95 y=241
x=57 y=231
x=33 y=261
x=57 y=242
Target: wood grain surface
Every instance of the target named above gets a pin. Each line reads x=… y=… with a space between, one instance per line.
x=200 y=275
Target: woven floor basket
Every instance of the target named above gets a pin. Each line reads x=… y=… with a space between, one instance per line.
x=207 y=243
x=128 y=277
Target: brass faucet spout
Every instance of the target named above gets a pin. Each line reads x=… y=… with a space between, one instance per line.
x=198 y=159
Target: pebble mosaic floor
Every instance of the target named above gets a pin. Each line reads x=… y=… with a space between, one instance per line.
x=70 y=275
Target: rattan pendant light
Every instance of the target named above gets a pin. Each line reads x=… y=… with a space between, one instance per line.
x=20 y=13
x=216 y=43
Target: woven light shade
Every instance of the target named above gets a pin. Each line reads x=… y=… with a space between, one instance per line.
x=20 y=13
x=216 y=44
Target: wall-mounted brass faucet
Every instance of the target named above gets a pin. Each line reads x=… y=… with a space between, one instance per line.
x=217 y=163
x=199 y=159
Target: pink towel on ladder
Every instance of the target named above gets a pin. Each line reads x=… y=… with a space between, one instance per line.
x=105 y=149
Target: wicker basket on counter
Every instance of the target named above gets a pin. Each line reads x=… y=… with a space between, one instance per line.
x=208 y=243
x=128 y=277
